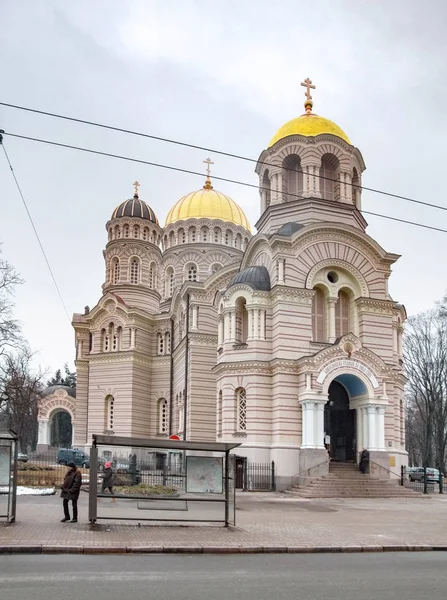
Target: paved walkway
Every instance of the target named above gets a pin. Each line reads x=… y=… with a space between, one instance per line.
x=265 y=523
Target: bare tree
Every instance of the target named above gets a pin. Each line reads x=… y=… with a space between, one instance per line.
x=425 y=360
x=10 y=333
x=20 y=391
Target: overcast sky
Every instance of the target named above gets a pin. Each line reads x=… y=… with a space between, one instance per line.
x=225 y=75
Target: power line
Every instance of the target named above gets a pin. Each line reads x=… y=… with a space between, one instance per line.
x=211 y=150
x=34 y=227
x=189 y=172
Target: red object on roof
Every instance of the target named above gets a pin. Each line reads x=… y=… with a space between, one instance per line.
x=174 y=437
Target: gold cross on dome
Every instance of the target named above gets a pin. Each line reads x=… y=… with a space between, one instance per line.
x=307 y=83
x=208 y=162
x=136 y=186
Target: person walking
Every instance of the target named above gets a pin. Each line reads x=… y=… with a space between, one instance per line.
x=71 y=489
x=107 y=480
x=364 y=461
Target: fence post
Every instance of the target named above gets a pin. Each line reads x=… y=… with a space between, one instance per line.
x=273 y=477
x=245 y=481
x=425 y=480
x=441 y=482
x=402 y=474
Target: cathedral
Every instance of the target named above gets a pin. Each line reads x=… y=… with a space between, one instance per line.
x=285 y=340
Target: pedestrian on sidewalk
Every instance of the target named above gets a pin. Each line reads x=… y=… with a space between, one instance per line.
x=107 y=480
x=364 y=461
x=71 y=489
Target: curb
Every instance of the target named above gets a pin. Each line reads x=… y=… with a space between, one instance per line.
x=60 y=549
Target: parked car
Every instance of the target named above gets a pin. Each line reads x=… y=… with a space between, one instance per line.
x=21 y=457
x=417 y=474
x=80 y=458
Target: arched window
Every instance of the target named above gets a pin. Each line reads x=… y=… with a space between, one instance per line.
x=216 y=267
x=126 y=231
x=160 y=344
x=292 y=177
x=342 y=310
x=192 y=234
x=146 y=234
x=219 y=414
x=116 y=338
x=204 y=234
x=217 y=235
x=241 y=409
x=171 y=239
x=163 y=421
x=169 y=282
x=152 y=276
x=245 y=243
x=228 y=238
x=168 y=342
x=356 y=190
x=181 y=236
x=116 y=270
x=319 y=316
x=134 y=270
x=105 y=341
x=241 y=321
x=136 y=231
x=109 y=413
x=165 y=242
x=192 y=272
x=110 y=234
x=329 y=173
x=238 y=241
x=117 y=232
x=265 y=191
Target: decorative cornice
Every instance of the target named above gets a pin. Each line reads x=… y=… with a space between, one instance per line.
x=375 y=306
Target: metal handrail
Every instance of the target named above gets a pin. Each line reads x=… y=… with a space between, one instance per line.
x=384 y=468
x=300 y=474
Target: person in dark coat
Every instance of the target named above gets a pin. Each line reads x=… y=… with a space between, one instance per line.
x=71 y=489
x=364 y=460
x=107 y=480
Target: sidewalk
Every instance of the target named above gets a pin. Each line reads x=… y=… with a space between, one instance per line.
x=265 y=523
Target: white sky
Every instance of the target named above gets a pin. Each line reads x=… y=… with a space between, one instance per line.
x=225 y=75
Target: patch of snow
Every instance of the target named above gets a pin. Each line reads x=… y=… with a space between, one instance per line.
x=28 y=491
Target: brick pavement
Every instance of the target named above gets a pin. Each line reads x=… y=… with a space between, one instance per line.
x=265 y=523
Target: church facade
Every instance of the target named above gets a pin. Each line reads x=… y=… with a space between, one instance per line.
x=286 y=341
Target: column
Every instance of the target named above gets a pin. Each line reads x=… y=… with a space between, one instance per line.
x=43 y=433
x=250 y=324
x=317 y=182
x=262 y=334
x=233 y=326
x=371 y=412
x=365 y=428
x=279 y=176
x=395 y=346
x=310 y=425
x=359 y=415
x=380 y=444
x=332 y=302
x=304 y=425
x=226 y=327
x=132 y=338
x=280 y=270
x=194 y=316
x=256 y=324
x=319 y=425
x=220 y=331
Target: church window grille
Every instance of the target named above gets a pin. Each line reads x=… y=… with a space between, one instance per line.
x=219 y=414
x=134 y=270
x=126 y=231
x=171 y=283
x=168 y=342
x=241 y=333
x=110 y=409
x=117 y=232
x=116 y=270
x=204 y=234
x=241 y=409
x=319 y=316
x=293 y=177
x=192 y=273
x=145 y=234
x=163 y=416
x=115 y=342
x=110 y=234
x=217 y=235
x=182 y=236
x=329 y=173
x=192 y=234
x=245 y=243
x=152 y=276
x=161 y=344
x=342 y=309
x=136 y=231
x=171 y=239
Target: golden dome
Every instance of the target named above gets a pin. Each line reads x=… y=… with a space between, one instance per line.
x=308 y=125
x=207 y=203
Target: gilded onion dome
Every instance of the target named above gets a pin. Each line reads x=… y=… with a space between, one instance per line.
x=207 y=203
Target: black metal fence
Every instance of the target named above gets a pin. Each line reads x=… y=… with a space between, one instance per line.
x=423 y=479
x=255 y=477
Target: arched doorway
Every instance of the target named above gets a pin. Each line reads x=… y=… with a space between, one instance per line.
x=340 y=424
x=61 y=429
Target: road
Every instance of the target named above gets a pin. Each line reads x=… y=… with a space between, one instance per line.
x=380 y=576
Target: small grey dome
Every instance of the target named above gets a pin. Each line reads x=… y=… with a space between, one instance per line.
x=289 y=228
x=53 y=388
x=134 y=207
x=256 y=277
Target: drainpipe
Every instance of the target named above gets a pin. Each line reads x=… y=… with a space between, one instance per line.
x=185 y=393
x=171 y=380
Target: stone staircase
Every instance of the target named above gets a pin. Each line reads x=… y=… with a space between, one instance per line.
x=346 y=481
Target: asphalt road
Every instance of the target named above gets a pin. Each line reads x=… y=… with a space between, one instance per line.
x=382 y=576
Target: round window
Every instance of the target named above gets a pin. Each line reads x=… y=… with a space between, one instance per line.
x=332 y=277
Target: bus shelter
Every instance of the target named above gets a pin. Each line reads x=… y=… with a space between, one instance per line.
x=162 y=480
x=8 y=475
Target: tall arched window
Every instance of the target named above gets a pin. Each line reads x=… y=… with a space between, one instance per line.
x=171 y=239
x=110 y=234
x=219 y=414
x=241 y=410
x=117 y=232
x=163 y=421
x=265 y=191
x=109 y=413
x=169 y=282
x=160 y=344
x=356 y=190
x=152 y=276
x=238 y=241
x=204 y=234
x=342 y=310
x=192 y=273
x=105 y=341
x=228 y=238
x=192 y=234
x=134 y=270
x=329 y=173
x=217 y=235
x=126 y=231
x=168 y=342
x=181 y=236
x=136 y=231
x=319 y=316
x=146 y=234
x=293 y=177
x=116 y=270
x=241 y=321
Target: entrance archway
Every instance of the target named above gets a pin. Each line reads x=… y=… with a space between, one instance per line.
x=340 y=424
x=56 y=417
x=61 y=429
